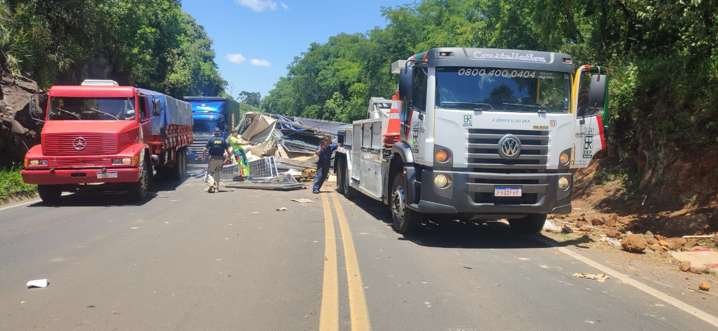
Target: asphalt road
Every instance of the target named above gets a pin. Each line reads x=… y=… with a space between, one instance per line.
x=189 y=260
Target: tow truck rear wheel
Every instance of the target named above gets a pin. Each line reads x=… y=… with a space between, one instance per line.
x=343 y=179
x=404 y=220
x=50 y=194
x=531 y=224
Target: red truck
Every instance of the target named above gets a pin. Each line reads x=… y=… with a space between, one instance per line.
x=102 y=133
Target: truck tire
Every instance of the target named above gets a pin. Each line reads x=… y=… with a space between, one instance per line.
x=138 y=191
x=343 y=179
x=531 y=224
x=404 y=220
x=180 y=169
x=50 y=194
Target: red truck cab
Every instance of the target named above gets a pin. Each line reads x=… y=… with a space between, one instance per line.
x=101 y=133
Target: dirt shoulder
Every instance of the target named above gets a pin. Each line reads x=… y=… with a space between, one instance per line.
x=671 y=247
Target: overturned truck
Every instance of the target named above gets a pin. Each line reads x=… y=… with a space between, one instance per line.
x=292 y=141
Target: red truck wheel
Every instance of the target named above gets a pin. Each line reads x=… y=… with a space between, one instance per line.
x=138 y=191
x=50 y=194
x=180 y=169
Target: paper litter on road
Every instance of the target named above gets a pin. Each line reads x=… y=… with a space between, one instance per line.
x=598 y=277
x=550 y=226
x=612 y=241
x=303 y=200
x=37 y=283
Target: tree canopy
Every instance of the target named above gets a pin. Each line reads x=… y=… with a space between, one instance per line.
x=153 y=44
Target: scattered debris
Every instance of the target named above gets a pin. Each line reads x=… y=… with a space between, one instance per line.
x=704 y=286
x=280 y=183
x=597 y=277
x=634 y=243
x=684 y=266
x=37 y=283
x=303 y=200
x=698 y=269
x=673 y=244
x=282 y=209
x=550 y=226
x=611 y=221
x=597 y=222
x=700 y=259
x=566 y=229
x=612 y=241
x=702 y=236
x=613 y=233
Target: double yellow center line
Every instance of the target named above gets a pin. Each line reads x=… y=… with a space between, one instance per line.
x=329 y=314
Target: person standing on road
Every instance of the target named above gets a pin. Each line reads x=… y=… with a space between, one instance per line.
x=326 y=148
x=238 y=152
x=217 y=148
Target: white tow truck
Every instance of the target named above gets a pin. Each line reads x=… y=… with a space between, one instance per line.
x=485 y=134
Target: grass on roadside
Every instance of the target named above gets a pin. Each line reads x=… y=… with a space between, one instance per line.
x=12 y=186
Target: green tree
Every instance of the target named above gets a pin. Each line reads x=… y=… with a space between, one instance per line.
x=152 y=44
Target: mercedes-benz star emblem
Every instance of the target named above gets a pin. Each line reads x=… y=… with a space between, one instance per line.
x=79 y=143
x=509 y=147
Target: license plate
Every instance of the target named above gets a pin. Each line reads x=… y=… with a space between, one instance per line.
x=507 y=191
x=105 y=175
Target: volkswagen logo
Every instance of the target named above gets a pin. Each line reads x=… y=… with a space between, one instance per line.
x=79 y=143
x=509 y=147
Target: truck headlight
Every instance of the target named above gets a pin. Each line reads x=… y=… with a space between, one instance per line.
x=564 y=159
x=35 y=163
x=563 y=183
x=125 y=161
x=442 y=181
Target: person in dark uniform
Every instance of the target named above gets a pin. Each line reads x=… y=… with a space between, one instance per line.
x=216 y=147
x=326 y=148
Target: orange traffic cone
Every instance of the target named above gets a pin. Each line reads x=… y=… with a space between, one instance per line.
x=393 y=128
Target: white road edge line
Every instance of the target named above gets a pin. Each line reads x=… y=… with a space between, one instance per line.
x=20 y=204
x=706 y=317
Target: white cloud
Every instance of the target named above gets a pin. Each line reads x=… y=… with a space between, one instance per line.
x=236 y=58
x=260 y=63
x=259 y=5
x=284 y=6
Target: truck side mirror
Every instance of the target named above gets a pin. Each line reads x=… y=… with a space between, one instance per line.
x=593 y=95
x=36 y=112
x=341 y=137
x=155 y=107
x=405 y=84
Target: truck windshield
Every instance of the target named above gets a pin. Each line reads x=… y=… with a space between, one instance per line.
x=74 y=108
x=502 y=89
x=204 y=126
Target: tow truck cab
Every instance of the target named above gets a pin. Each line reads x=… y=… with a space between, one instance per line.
x=489 y=134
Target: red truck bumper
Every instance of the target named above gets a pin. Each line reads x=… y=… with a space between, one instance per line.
x=80 y=176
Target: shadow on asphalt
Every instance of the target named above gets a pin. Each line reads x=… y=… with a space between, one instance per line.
x=99 y=196
x=455 y=234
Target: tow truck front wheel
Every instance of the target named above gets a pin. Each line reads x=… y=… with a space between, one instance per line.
x=404 y=220
x=50 y=194
x=530 y=224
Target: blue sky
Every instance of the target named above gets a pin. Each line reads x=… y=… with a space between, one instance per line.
x=255 y=40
